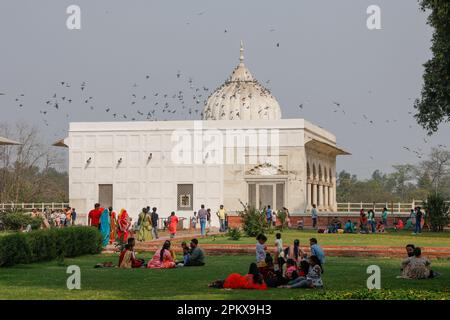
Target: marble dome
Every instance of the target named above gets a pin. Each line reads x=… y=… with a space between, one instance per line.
x=241 y=97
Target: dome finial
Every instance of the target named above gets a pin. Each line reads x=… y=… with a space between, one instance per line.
x=241 y=56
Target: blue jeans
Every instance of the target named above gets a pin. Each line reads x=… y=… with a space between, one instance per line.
x=203 y=226
x=300 y=282
x=372 y=225
x=222 y=225
x=418 y=228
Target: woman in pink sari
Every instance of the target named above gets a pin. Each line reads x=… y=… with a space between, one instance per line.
x=162 y=259
x=123 y=225
x=173 y=222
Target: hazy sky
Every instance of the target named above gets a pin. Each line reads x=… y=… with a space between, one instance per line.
x=326 y=54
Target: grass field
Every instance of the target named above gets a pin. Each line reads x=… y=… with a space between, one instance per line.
x=430 y=239
x=48 y=280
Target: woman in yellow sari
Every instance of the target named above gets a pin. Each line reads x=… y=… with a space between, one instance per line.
x=145 y=226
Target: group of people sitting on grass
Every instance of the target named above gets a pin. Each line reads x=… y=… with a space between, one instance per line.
x=415 y=266
x=289 y=267
x=163 y=258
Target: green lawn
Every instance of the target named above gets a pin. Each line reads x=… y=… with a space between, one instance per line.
x=48 y=280
x=430 y=239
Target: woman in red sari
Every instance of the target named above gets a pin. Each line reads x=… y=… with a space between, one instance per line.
x=113 y=226
x=253 y=280
x=127 y=258
x=123 y=225
x=173 y=222
x=163 y=258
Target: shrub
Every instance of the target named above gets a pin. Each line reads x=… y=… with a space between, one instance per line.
x=254 y=221
x=234 y=234
x=365 y=294
x=437 y=212
x=282 y=216
x=16 y=220
x=45 y=245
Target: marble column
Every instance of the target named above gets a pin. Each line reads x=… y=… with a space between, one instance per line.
x=320 y=204
x=314 y=194
x=309 y=197
x=325 y=197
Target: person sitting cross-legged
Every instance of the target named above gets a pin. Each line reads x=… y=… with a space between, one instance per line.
x=415 y=266
x=127 y=258
x=196 y=257
x=163 y=258
x=349 y=227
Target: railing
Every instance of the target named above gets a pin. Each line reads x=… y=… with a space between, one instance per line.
x=342 y=207
x=30 y=206
x=393 y=207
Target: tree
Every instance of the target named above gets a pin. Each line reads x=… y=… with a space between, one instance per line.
x=434 y=105
x=437 y=211
x=437 y=168
x=28 y=172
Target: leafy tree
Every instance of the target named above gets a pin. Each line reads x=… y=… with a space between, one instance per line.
x=437 y=211
x=434 y=105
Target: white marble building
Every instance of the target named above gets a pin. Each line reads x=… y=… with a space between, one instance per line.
x=179 y=165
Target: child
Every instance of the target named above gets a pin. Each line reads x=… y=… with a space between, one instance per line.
x=313 y=277
x=261 y=249
x=304 y=268
x=279 y=245
x=291 y=270
x=186 y=252
x=380 y=227
x=194 y=221
x=295 y=253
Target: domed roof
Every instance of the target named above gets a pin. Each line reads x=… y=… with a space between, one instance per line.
x=241 y=97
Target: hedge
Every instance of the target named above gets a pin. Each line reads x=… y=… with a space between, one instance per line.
x=45 y=245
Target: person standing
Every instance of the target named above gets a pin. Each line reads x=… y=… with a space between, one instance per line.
x=94 y=216
x=419 y=215
x=145 y=226
x=221 y=214
x=113 y=225
x=208 y=218
x=62 y=218
x=371 y=219
x=105 y=227
x=314 y=216
x=194 y=221
x=124 y=224
x=173 y=223
x=203 y=217
x=384 y=216
x=74 y=216
x=155 y=219
x=269 y=216
x=68 y=212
